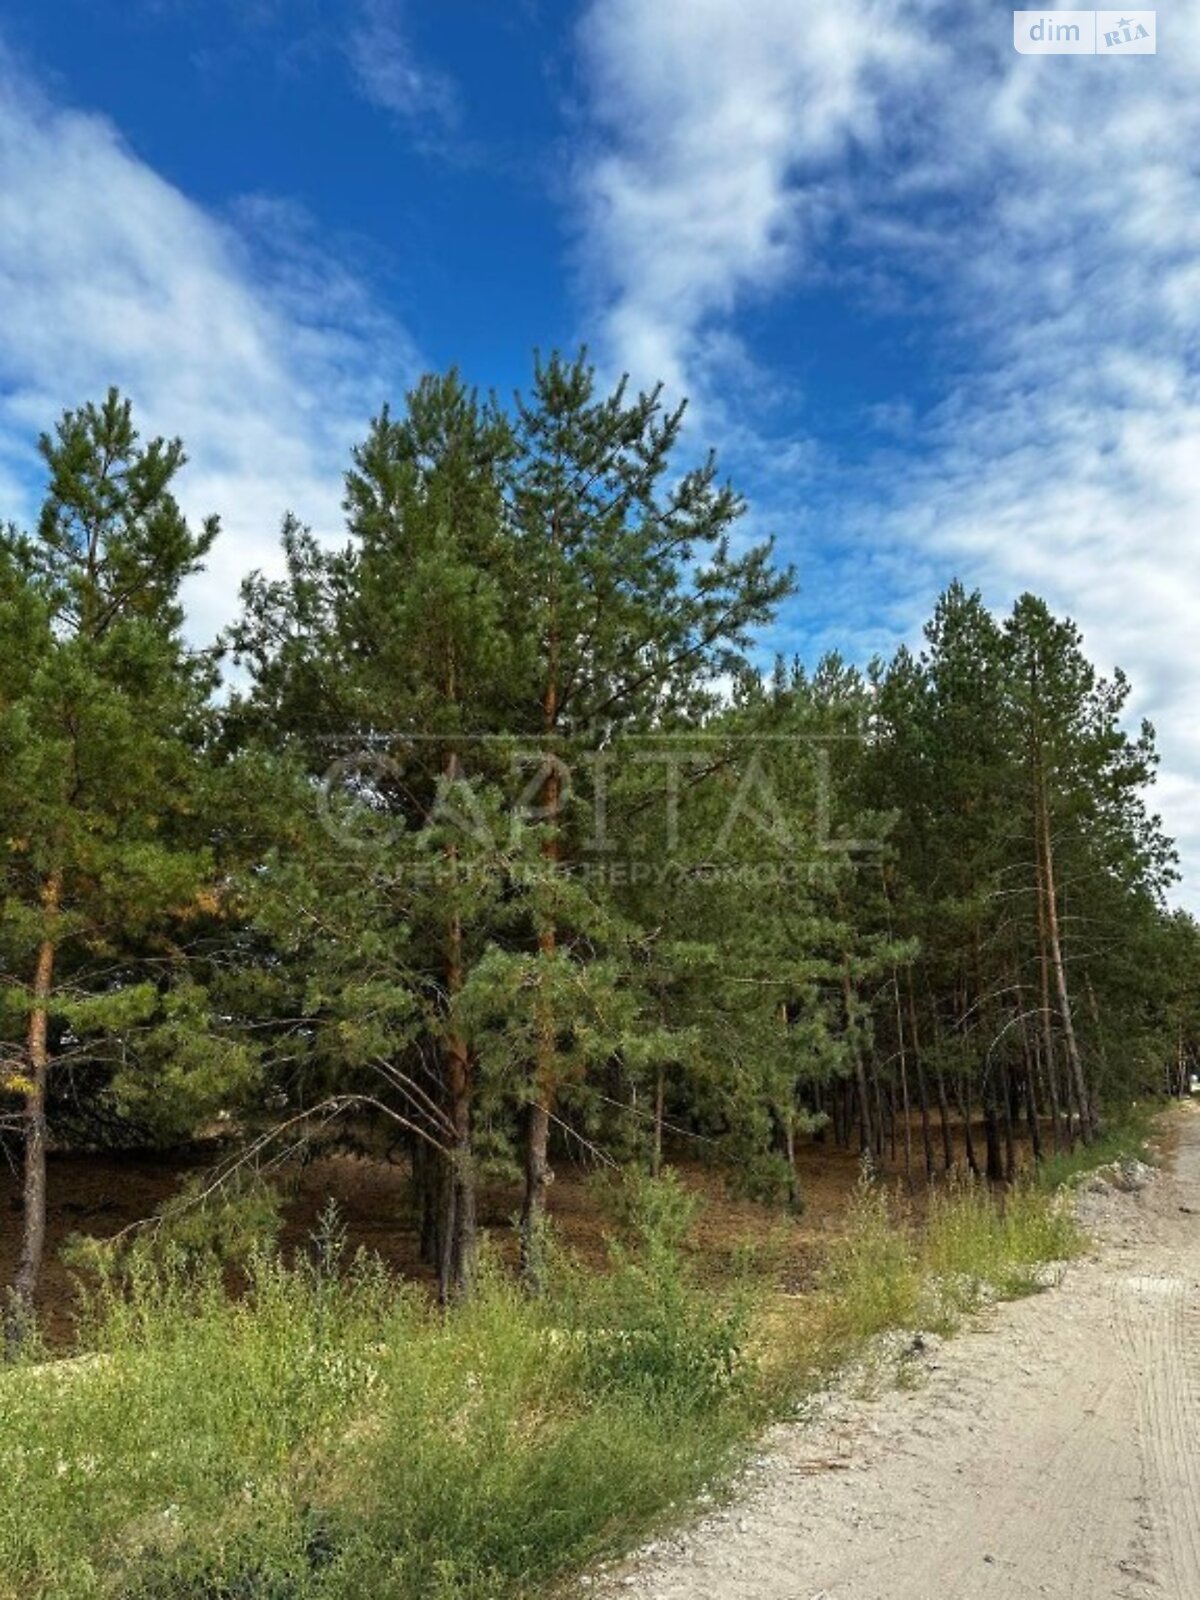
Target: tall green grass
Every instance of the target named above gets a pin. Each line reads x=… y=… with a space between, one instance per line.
x=328 y=1434
x=978 y=1245
x=975 y=1245
x=1125 y=1135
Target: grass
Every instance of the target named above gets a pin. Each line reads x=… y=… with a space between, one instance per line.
x=977 y=1246
x=1125 y=1134
x=328 y=1434
x=974 y=1246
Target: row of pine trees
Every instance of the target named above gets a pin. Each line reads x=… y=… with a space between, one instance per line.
x=489 y=830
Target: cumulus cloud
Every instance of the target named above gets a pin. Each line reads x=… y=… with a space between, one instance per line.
x=239 y=334
x=1039 y=221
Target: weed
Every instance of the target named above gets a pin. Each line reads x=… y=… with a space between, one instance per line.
x=326 y=1433
x=1125 y=1133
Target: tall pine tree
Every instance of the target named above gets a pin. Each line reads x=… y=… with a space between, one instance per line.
x=101 y=718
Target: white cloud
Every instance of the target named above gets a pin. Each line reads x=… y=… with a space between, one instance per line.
x=1039 y=217
x=387 y=70
x=712 y=117
x=267 y=360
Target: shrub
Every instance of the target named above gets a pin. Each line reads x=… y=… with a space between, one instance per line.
x=646 y=1327
x=327 y=1434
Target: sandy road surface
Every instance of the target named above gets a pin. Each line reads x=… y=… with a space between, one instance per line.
x=1053 y=1450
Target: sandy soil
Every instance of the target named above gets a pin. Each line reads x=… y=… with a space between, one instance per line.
x=1052 y=1450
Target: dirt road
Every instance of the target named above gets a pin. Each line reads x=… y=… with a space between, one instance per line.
x=1053 y=1450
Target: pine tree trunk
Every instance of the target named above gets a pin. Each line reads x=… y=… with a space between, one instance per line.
x=880 y=1112
x=944 y=1117
x=887 y=1114
x=656 y=1147
x=33 y=1225
x=841 y=1120
x=1062 y=1125
x=458 y=1230
x=963 y=1096
x=428 y=1175
x=456 y=1253
x=453 y=1237
x=905 y=1108
x=789 y=1152
x=867 y=1131
x=1028 y=1088
x=1074 y=1061
x=1010 y=1143
x=994 y=1164
x=1031 y=1114
x=926 y=1128
x=537 y=1181
x=537 y=1133
x=991 y=1134
x=538 y=1176
x=922 y=1086
x=456 y=1256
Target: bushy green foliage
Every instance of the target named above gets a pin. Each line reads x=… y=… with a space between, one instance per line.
x=872 y=1279
x=327 y=1433
x=655 y=1214
x=190 y=1420
x=205 y=1229
x=643 y=1326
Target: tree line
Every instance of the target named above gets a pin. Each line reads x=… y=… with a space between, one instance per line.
x=490 y=827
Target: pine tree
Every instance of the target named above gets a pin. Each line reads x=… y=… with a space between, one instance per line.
x=944 y=754
x=389 y=660
x=1084 y=777
x=1026 y=864
x=101 y=720
x=635 y=602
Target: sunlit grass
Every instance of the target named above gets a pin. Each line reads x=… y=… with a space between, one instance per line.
x=329 y=1434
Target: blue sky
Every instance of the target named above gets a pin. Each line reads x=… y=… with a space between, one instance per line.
x=937 y=304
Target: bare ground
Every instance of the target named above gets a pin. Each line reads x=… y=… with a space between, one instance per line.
x=1053 y=1450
